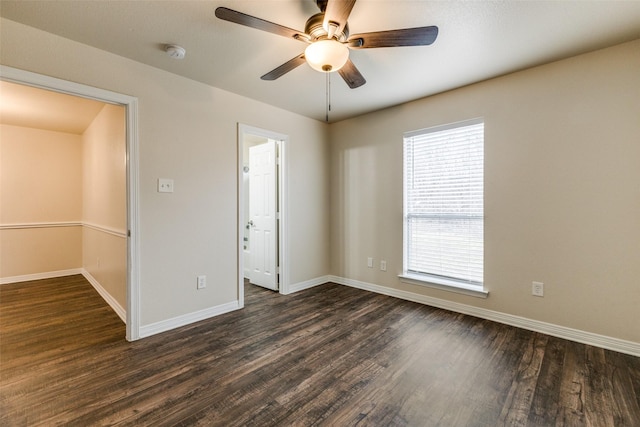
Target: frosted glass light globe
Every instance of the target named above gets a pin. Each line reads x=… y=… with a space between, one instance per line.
x=326 y=56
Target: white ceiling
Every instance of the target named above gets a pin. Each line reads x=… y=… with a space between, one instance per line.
x=478 y=40
x=31 y=107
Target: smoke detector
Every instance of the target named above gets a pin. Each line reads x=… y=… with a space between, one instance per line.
x=175 y=51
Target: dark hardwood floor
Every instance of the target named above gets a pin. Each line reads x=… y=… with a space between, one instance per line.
x=331 y=355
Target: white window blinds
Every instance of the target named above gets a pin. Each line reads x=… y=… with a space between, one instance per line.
x=443 y=202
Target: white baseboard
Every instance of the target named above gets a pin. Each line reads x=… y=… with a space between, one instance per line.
x=296 y=287
x=40 y=276
x=609 y=343
x=115 y=305
x=186 y=319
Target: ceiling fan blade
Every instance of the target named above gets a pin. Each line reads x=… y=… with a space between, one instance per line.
x=284 y=68
x=420 y=36
x=236 y=17
x=336 y=15
x=351 y=75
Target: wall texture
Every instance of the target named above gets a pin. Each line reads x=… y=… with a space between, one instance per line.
x=562 y=193
x=104 y=201
x=188 y=132
x=40 y=184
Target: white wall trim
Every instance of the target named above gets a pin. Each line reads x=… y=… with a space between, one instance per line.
x=444 y=285
x=107 y=230
x=187 y=319
x=24 y=225
x=133 y=220
x=115 y=305
x=307 y=284
x=132 y=169
x=27 y=225
x=283 y=209
x=240 y=218
x=40 y=276
x=609 y=343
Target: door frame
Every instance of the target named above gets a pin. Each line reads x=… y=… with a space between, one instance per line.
x=283 y=206
x=130 y=103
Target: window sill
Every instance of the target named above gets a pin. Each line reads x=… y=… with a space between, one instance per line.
x=444 y=285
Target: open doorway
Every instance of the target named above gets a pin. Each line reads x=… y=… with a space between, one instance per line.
x=129 y=160
x=262 y=209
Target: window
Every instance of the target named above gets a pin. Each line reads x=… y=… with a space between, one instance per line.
x=443 y=205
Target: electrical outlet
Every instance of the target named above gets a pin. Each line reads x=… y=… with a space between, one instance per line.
x=537 y=289
x=383 y=265
x=202 y=282
x=370 y=262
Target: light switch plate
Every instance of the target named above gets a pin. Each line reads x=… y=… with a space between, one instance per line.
x=165 y=185
x=202 y=282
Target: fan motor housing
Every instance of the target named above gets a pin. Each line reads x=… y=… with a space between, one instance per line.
x=316 y=31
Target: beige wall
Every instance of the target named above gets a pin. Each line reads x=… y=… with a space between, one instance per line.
x=104 y=198
x=562 y=199
x=40 y=183
x=104 y=195
x=31 y=251
x=104 y=256
x=188 y=132
x=41 y=175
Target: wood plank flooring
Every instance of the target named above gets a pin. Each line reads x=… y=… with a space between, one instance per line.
x=330 y=356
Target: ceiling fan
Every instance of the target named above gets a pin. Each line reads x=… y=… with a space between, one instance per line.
x=329 y=41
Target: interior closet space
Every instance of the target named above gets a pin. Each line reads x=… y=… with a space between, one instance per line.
x=63 y=190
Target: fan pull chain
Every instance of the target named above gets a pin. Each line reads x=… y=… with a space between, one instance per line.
x=328 y=96
x=329 y=79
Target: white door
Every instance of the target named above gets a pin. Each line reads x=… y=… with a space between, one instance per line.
x=262 y=215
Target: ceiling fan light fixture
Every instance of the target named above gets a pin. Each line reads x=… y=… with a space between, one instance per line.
x=326 y=56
